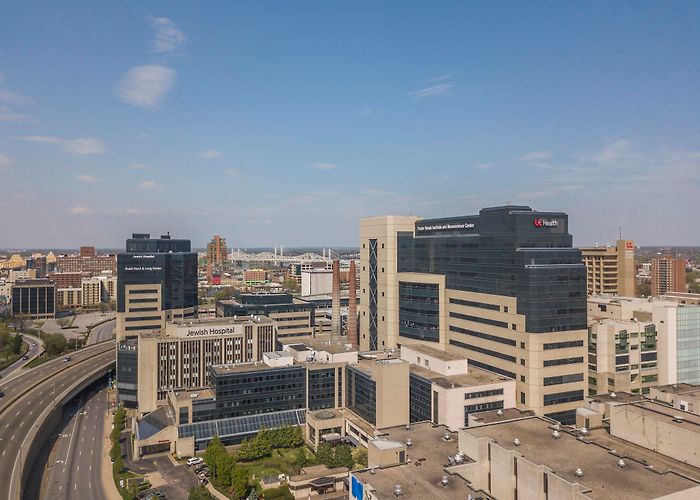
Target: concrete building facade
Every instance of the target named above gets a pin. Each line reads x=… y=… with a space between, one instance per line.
x=504 y=288
x=610 y=270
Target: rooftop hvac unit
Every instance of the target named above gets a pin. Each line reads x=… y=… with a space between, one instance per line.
x=584 y=431
x=579 y=472
x=499 y=413
x=398 y=491
x=444 y=481
x=621 y=464
x=409 y=442
x=447 y=437
x=516 y=442
x=556 y=434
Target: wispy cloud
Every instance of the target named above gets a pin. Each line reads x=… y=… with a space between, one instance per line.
x=81 y=210
x=7 y=115
x=90 y=179
x=146 y=86
x=138 y=165
x=232 y=172
x=151 y=185
x=375 y=193
x=324 y=166
x=439 y=78
x=620 y=150
x=5 y=161
x=483 y=166
x=210 y=154
x=441 y=89
x=9 y=97
x=537 y=155
x=168 y=37
x=80 y=146
x=361 y=111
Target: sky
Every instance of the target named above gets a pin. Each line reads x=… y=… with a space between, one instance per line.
x=286 y=122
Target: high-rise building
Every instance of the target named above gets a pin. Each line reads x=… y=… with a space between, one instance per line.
x=504 y=288
x=157 y=282
x=94 y=264
x=216 y=251
x=667 y=275
x=34 y=298
x=610 y=270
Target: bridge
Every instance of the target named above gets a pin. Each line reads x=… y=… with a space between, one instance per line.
x=32 y=408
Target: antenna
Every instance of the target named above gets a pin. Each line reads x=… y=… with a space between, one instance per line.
x=620 y=232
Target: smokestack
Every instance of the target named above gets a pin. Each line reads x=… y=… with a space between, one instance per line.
x=335 y=302
x=352 y=308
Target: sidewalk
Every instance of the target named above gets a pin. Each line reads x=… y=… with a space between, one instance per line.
x=110 y=489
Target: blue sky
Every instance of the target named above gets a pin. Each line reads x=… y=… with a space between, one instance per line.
x=285 y=122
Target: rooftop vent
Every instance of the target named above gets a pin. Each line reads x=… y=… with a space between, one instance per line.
x=398 y=491
x=579 y=472
x=373 y=470
x=516 y=442
x=556 y=434
x=409 y=442
x=621 y=464
x=613 y=395
x=584 y=431
x=444 y=481
x=678 y=419
x=459 y=458
x=447 y=437
x=499 y=413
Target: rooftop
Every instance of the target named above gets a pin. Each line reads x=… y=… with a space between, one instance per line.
x=563 y=456
x=221 y=321
x=489 y=417
x=671 y=416
x=424 y=481
x=677 y=388
x=314 y=344
x=619 y=397
x=474 y=377
x=435 y=353
x=194 y=395
x=252 y=366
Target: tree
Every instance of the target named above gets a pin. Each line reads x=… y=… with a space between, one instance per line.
x=223 y=293
x=643 y=290
x=290 y=285
x=240 y=482
x=55 y=344
x=21 y=321
x=199 y=493
x=16 y=344
x=212 y=455
x=343 y=456
x=360 y=456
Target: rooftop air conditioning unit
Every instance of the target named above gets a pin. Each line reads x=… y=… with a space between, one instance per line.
x=556 y=434
x=444 y=481
x=398 y=491
x=579 y=472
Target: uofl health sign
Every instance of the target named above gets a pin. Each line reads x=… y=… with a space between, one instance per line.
x=541 y=222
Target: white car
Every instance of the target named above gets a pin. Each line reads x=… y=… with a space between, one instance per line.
x=194 y=461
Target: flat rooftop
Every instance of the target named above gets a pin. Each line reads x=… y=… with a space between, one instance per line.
x=651 y=409
x=194 y=395
x=435 y=353
x=309 y=344
x=677 y=388
x=367 y=365
x=474 y=377
x=489 y=417
x=563 y=456
x=221 y=321
x=252 y=366
x=620 y=397
x=419 y=482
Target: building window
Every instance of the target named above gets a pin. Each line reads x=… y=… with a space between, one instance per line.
x=522 y=398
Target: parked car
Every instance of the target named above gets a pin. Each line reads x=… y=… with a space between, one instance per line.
x=66 y=359
x=194 y=461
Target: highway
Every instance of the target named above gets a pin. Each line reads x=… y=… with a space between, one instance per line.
x=35 y=347
x=102 y=333
x=74 y=466
x=31 y=396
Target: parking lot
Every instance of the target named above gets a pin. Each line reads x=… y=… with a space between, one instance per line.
x=173 y=480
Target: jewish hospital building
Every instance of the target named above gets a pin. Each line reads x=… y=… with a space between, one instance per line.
x=504 y=288
x=152 y=364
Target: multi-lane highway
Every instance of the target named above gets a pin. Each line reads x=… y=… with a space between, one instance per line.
x=30 y=397
x=74 y=466
x=33 y=352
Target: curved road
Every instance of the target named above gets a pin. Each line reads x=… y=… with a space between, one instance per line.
x=35 y=348
x=102 y=333
x=35 y=392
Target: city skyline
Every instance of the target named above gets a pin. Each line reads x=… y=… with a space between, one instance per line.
x=361 y=111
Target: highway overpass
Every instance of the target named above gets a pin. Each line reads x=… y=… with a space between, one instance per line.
x=32 y=407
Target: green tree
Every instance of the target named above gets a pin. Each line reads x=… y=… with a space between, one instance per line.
x=240 y=481
x=16 y=344
x=343 y=456
x=223 y=293
x=290 y=285
x=55 y=344
x=360 y=456
x=212 y=455
x=325 y=454
x=225 y=468
x=199 y=493
x=643 y=290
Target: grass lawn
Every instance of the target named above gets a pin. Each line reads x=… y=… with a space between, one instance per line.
x=7 y=358
x=280 y=462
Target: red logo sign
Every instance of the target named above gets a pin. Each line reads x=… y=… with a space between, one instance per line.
x=630 y=245
x=539 y=222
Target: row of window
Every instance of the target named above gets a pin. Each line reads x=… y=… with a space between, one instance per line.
x=562 y=345
x=482 y=350
x=476 y=319
x=483 y=394
x=471 y=303
x=484 y=336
